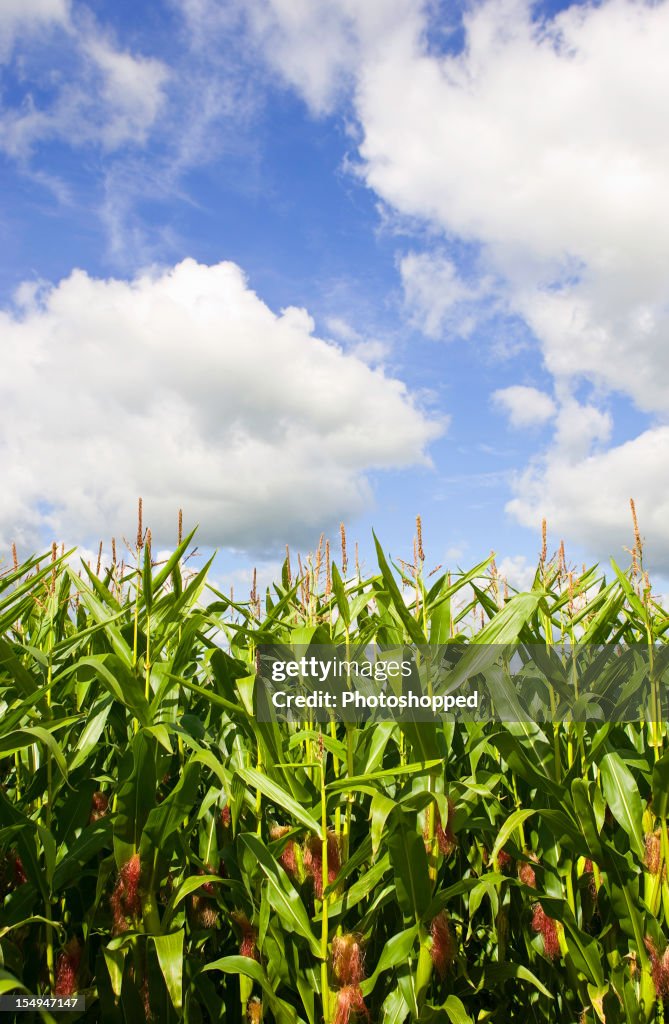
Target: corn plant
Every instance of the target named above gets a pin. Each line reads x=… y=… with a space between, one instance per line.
x=172 y=858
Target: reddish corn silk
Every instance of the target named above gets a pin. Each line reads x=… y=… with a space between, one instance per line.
x=445 y=837
x=207 y=887
x=288 y=856
x=288 y=859
x=19 y=871
x=248 y=945
x=350 y=1003
x=442 y=950
x=204 y=913
x=659 y=967
x=126 y=900
x=146 y=1000
x=313 y=861
x=547 y=926
x=505 y=860
x=130 y=875
x=526 y=872
x=588 y=869
x=99 y=806
x=348 y=961
x=446 y=840
x=226 y=816
x=12 y=873
x=67 y=969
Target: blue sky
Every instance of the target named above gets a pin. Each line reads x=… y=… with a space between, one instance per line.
x=462 y=210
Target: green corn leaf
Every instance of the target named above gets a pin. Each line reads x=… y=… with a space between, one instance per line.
x=283 y=1012
x=494 y=973
x=23 y=738
x=169 y=950
x=395 y=1008
x=455 y=1011
x=282 y=894
x=340 y=595
x=397 y=950
x=414 y=632
x=661 y=786
x=119 y=680
x=93 y=839
x=410 y=866
x=352 y=783
x=136 y=796
x=622 y=796
x=261 y=782
x=115 y=962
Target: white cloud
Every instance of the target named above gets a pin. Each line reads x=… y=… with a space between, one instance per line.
x=541 y=143
x=342 y=329
x=239 y=582
x=108 y=96
x=184 y=387
x=132 y=90
x=517 y=571
x=439 y=301
x=370 y=350
x=455 y=552
x=579 y=428
x=72 y=79
x=21 y=16
x=594 y=330
x=316 y=47
x=561 y=183
x=525 y=406
x=587 y=499
x=464 y=141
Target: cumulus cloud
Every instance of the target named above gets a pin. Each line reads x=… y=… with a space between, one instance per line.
x=561 y=183
x=536 y=142
x=184 y=387
x=317 y=47
x=462 y=140
x=517 y=571
x=580 y=428
x=588 y=498
x=525 y=406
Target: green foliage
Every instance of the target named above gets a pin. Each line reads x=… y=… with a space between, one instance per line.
x=164 y=853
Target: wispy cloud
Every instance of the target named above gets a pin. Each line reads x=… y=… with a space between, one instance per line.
x=143 y=121
x=109 y=97
x=439 y=301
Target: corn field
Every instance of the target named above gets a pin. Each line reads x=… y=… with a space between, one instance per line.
x=171 y=858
